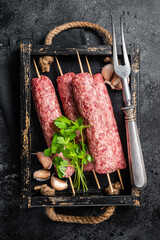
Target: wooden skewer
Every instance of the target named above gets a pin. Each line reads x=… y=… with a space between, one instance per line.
x=90 y=71
x=73 y=191
x=61 y=75
x=80 y=63
x=120 y=178
x=109 y=181
x=36 y=68
x=81 y=67
x=95 y=176
x=59 y=67
x=88 y=65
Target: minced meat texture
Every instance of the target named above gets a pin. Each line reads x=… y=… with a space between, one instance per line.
x=48 y=109
x=64 y=84
x=100 y=135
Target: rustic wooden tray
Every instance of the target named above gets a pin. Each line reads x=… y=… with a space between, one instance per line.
x=32 y=138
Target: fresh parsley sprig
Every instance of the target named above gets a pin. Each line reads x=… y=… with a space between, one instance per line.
x=64 y=141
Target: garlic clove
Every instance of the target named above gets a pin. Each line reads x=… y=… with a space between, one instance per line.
x=107 y=72
x=116 y=82
x=41 y=175
x=58 y=184
x=45 y=161
x=111 y=78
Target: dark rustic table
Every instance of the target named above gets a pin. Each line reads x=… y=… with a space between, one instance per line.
x=142 y=26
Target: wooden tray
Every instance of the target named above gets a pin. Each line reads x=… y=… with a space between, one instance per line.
x=32 y=139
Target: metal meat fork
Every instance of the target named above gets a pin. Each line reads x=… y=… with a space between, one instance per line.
x=135 y=157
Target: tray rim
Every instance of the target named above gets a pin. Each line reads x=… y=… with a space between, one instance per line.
x=26 y=50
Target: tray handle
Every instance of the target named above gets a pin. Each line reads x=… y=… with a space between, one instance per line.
x=50 y=211
x=46 y=61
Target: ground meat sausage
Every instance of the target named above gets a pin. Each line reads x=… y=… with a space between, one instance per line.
x=101 y=134
x=106 y=105
x=64 y=84
x=48 y=109
x=46 y=104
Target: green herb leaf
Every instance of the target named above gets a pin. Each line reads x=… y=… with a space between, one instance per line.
x=70 y=129
x=84 y=161
x=64 y=141
x=79 y=121
x=61 y=140
x=61 y=125
x=81 y=154
x=85 y=147
x=61 y=165
x=47 y=152
x=72 y=136
x=89 y=158
x=54 y=140
x=77 y=148
x=66 y=153
x=63 y=119
x=54 y=148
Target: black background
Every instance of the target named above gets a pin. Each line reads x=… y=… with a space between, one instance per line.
x=142 y=26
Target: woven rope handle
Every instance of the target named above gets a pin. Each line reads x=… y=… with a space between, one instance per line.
x=79 y=219
x=47 y=191
x=46 y=61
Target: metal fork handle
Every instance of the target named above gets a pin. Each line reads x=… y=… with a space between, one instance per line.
x=135 y=156
x=126 y=92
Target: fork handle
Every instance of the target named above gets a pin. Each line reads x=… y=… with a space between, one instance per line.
x=126 y=92
x=135 y=156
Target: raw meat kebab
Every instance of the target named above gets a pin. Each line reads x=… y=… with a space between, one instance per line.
x=94 y=106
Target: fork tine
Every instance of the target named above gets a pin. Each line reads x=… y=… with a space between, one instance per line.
x=115 y=56
x=125 y=55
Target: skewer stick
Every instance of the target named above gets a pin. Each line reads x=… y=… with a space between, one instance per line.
x=119 y=174
x=81 y=67
x=59 y=67
x=73 y=191
x=80 y=63
x=36 y=68
x=88 y=65
x=110 y=184
x=120 y=178
x=61 y=75
x=95 y=176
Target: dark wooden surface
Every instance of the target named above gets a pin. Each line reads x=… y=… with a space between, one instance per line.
x=84 y=50
x=25 y=96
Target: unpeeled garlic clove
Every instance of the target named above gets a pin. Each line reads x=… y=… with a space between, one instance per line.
x=107 y=72
x=58 y=184
x=41 y=175
x=116 y=82
x=111 y=78
x=45 y=161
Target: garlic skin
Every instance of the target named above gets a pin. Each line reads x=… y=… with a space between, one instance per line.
x=58 y=184
x=45 y=161
x=111 y=78
x=41 y=175
x=107 y=72
x=108 y=59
